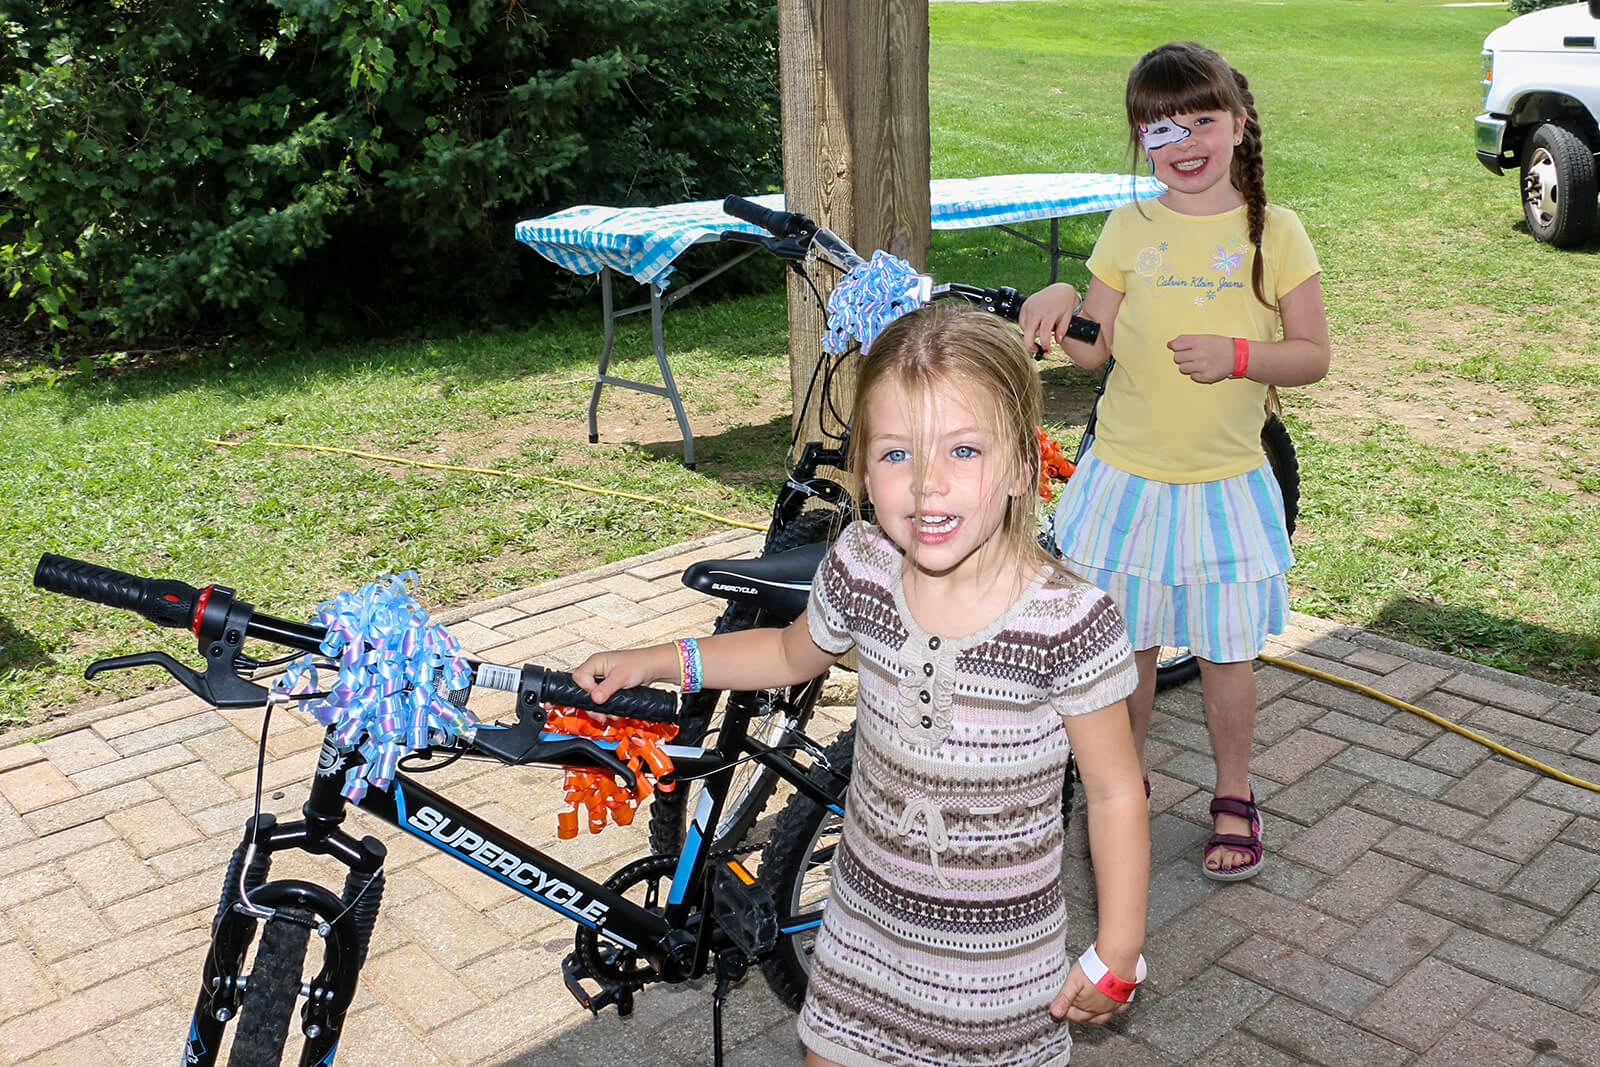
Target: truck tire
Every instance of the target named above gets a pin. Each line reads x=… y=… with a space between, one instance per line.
x=1558 y=185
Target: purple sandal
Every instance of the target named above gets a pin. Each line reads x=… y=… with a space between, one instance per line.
x=1251 y=843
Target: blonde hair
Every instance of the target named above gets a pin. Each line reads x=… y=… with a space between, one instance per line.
x=984 y=357
x=1184 y=77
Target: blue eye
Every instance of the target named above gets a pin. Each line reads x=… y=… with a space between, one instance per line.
x=896 y=455
x=965 y=452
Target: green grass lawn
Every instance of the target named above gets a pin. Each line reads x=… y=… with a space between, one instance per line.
x=1450 y=487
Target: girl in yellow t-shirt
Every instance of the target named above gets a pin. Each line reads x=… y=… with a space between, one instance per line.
x=1208 y=296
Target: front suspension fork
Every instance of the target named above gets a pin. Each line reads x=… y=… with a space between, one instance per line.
x=344 y=923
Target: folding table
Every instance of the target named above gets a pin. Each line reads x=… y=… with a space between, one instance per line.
x=643 y=242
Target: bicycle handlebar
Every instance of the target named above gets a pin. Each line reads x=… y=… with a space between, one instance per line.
x=206 y=611
x=794 y=236
x=777 y=223
x=165 y=603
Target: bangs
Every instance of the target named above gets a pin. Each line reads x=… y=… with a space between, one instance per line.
x=1177 y=81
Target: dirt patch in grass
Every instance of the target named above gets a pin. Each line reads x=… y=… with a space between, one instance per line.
x=1375 y=381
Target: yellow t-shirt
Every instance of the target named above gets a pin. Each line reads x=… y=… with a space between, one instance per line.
x=1188 y=274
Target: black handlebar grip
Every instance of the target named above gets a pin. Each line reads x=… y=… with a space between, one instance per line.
x=1082 y=329
x=780 y=223
x=643 y=702
x=163 y=602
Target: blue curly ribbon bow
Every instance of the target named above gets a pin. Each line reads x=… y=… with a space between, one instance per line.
x=394 y=671
x=869 y=298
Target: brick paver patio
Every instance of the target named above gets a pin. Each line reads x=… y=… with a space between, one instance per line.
x=1425 y=901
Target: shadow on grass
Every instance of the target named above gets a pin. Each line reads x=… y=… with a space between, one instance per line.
x=739 y=456
x=20 y=654
x=1589 y=247
x=1566 y=659
x=564 y=344
x=18 y=648
x=753 y=454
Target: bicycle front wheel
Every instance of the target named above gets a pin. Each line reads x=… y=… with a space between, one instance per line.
x=271 y=990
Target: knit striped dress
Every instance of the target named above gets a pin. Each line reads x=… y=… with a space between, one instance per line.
x=943 y=939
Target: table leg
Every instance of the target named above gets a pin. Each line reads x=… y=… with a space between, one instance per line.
x=606 y=308
x=1055 y=249
x=658 y=339
x=657 y=308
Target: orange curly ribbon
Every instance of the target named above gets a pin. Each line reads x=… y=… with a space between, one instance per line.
x=1054 y=466
x=638 y=745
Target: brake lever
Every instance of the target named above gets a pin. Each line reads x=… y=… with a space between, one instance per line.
x=791 y=249
x=524 y=743
x=227 y=690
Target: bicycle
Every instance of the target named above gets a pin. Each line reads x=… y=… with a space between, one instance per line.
x=811 y=509
x=666 y=918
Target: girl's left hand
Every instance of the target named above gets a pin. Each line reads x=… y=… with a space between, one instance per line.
x=1204 y=357
x=1080 y=1002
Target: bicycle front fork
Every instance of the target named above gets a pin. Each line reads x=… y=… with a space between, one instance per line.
x=344 y=923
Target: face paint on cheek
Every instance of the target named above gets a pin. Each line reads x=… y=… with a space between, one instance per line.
x=1161 y=132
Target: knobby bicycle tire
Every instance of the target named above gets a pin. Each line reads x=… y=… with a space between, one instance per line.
x=795 y=868
x=1182 y=666
x=271 y=991
x=753 y=783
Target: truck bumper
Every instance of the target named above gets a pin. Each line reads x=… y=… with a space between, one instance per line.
x=1489 y=132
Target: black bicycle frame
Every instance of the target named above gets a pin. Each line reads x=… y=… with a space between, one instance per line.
x=345 y=922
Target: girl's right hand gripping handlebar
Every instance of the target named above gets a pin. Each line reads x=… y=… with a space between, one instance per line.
x=222 y=623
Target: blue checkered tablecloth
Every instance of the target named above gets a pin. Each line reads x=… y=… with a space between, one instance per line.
x=642 y=242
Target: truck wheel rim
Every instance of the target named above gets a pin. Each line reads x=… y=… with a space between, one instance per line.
x=1542 y=190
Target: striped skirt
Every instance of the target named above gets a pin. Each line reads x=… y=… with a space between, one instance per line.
x=1199 y=565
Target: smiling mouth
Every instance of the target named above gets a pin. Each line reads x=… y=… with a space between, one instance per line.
x=1189 y=166
x=936 y=524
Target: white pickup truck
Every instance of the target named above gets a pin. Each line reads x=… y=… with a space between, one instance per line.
x=1541 y=103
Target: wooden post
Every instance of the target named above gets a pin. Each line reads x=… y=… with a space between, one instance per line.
x=855 y=147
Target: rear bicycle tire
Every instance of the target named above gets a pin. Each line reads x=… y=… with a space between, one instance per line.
x=1178 y=665
x=271 y=990
x=753 y=783
x=796 y=867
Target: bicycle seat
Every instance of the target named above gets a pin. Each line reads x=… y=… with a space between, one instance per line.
x=778 y=585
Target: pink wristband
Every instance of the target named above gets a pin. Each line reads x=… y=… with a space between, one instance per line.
x=1109 y=984
x=1241 y=357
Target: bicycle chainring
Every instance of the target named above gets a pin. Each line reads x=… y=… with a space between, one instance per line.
x=645 y=882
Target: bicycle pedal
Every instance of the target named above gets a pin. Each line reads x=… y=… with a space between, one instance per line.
x=744 y=910
x=574 y=973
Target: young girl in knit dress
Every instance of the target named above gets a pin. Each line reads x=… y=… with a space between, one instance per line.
x=1175 y=511
x=981 y=663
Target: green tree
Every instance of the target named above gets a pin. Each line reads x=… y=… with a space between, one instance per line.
x=1522 y=7
x=284 y=165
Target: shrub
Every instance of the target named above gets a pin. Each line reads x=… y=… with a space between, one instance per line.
x=1522 y=7
x=172 y=166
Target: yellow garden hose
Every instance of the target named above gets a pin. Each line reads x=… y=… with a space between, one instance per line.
x=402 y=460
x=1543 y=768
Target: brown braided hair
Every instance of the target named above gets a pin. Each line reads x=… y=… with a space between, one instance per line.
x=1184 y=77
